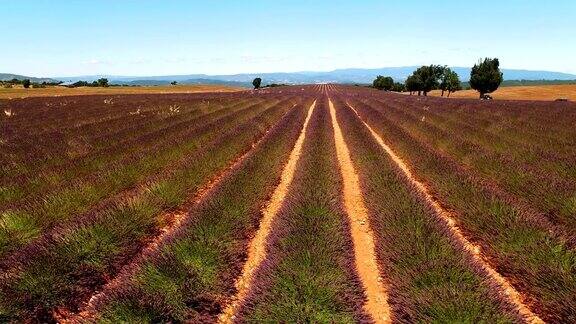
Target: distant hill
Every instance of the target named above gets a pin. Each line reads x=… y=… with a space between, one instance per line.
x=8 y=77
x=336 y=76
x=152 y=82
x=360 y=76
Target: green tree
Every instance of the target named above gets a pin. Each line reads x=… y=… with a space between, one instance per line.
x=414 y=83
x=383 y=83
x=174 y=83
x=256 y=83
x=398 y=87
x=430 y=76
x=485 y=76
x=103 y=82
x=26 y=83
x=450 y=82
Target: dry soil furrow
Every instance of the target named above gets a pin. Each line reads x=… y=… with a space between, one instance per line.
x=257 y=246
x=364 y=251
x=446 y=218
x=176 y=219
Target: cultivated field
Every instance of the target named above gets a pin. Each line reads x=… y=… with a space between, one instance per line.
x=542 y=92
x=297 y=204
x=20 y=92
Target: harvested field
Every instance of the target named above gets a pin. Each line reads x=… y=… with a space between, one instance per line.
x=317 y=203
x=58 y=91
x=541 y=92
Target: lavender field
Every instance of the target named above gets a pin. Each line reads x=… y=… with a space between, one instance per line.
x=314 y=203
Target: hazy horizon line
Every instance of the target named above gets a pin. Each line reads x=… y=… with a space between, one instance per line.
x=277 y=71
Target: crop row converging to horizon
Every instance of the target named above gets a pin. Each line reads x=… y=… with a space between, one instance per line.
x=318 y=203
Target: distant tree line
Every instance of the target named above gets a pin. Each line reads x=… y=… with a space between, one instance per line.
x=485 y=77
x=103 y=82
x=26 y=83
x=274 y=85
x=523 y=82
x=422 y=81
x=257 y=83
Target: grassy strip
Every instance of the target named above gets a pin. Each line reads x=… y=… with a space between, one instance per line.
x=508 y=125
x=194 y=271
x=516 y=120
x=141 y=119
x=21 y=226
x=63 y=162
x=519 y=122
x=67 y=171
x=309 y=275
x=70 y=267
x=548 y=192
x=90 y=115
x=166 y=182
x=489 y=135
x=533 y=259
x=67 y=155
x=430 y=279
x=525 y=188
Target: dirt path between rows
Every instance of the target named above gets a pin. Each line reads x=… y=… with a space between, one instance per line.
x=512 y=295
x=362 y=237
x=257 y=246
x=174 y=219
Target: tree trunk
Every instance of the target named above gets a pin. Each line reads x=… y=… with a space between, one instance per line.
x=481 y=94
x=442 y=95
x=448 y=95
x=419 y=92
x=425 y=93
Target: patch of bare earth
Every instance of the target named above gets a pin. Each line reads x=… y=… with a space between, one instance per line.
x=362 y=237
x=257 y=246
x=540 y=92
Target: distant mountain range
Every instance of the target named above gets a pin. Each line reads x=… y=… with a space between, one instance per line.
x=336 y=76
x=8 y=77
x=361 y=76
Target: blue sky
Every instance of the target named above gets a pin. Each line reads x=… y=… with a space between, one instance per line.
x=153 y=37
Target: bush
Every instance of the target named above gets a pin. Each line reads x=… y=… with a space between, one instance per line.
x=485 y=76
x=383 y=83
x=398 y=87
x=103 y=82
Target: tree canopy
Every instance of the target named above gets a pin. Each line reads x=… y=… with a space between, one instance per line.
x=485 y=76
x=256 y=83
x=414 y=83
x=398 y=87
x=450 y=81
x=383 y=83
x=103 y=82
x=425 y=79
x=430 y=76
